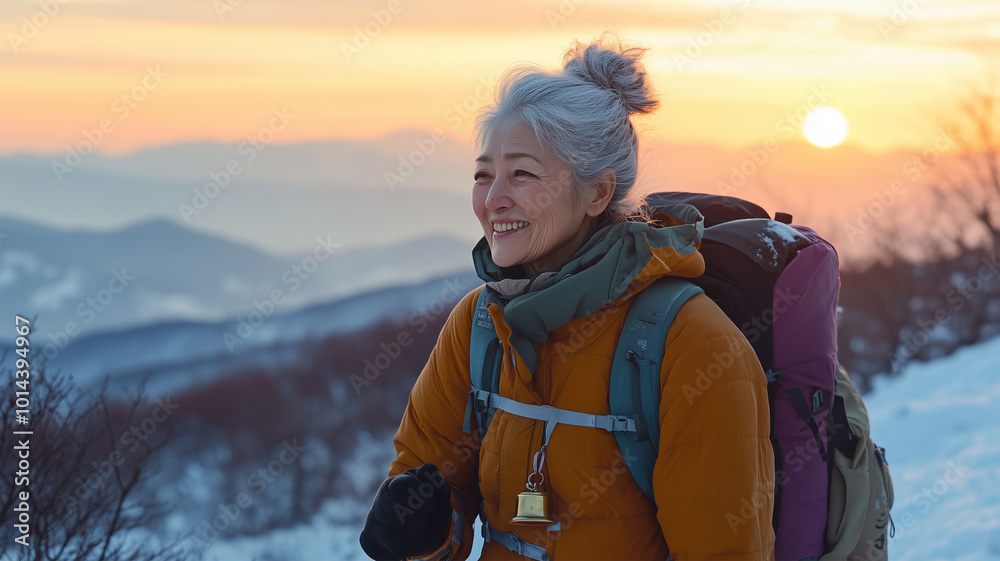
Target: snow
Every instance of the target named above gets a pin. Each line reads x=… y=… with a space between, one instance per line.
x=237 y=287
x=54 y=295
x=329 y=535
x=8 y=276
x=775 y=231
x=180 y=355
x=153 y=305
x=13 y=259
x=939 y=423
x=363 y=465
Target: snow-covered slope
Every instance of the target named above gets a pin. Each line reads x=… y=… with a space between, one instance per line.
x=939 y=423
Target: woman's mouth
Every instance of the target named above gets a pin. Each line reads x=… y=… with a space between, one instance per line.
x=504 y=229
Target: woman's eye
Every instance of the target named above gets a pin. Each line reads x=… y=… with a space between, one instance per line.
x=480 y=176
x=522 y=173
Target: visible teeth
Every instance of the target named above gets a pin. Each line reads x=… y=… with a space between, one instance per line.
x=507 y=226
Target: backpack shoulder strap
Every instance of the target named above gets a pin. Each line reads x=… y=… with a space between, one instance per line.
x=485 y=360
x=635 y=372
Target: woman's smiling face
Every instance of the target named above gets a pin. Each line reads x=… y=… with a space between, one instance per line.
x=526 y=202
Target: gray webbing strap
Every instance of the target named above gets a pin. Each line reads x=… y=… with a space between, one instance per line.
x=553 y=415
x=512 y=542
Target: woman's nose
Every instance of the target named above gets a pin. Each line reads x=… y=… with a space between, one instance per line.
x=498 y=197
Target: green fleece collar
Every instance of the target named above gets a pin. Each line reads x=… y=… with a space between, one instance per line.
x=599 y=273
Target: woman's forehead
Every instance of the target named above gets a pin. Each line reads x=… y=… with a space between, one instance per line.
x=512 y=138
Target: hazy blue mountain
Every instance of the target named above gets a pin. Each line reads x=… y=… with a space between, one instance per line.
x=282 y=196
x=80 y=282
x=182 y=354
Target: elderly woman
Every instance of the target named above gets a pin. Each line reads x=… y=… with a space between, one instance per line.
x=565 y=253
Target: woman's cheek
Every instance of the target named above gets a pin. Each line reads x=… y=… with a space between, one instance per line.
x=479 y=201
x=534 y=201
x=547 y=198
x=538 y=243
x=479 y=207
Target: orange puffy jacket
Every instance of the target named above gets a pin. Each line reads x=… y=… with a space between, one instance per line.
x=714 y=475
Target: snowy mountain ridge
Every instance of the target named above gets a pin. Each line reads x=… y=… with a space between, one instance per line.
x=183 y=354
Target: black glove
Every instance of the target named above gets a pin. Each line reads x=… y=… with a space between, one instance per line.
x=411 y=515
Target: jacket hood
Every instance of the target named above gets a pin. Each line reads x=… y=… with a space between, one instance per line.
x=613 y=263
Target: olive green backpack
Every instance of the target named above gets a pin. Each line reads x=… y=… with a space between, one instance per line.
x=858 y=525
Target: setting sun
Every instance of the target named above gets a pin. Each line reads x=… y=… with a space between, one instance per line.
x=825 y=127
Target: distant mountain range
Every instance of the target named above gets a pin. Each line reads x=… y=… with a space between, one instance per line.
x=82 y=282
x=178 y=355
x=281 y=197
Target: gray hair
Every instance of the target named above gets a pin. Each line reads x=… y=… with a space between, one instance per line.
x=581 y=113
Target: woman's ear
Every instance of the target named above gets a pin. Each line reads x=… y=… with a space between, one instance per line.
x=602 y=192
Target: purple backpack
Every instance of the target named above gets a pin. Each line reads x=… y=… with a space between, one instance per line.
x=779 y=284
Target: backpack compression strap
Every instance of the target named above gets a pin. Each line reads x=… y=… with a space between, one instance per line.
x=635 y=372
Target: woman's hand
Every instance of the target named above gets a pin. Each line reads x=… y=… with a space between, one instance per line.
x=411 y=515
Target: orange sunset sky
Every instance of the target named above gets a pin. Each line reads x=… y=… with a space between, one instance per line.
x=727 y=72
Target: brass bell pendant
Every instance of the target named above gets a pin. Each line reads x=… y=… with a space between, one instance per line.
x=533 y=506
x=533 y=509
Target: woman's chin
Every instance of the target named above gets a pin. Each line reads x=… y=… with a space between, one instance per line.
x=504 y=260
x=506 y=263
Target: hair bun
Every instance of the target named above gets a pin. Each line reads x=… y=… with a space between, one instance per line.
x=608 y=65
